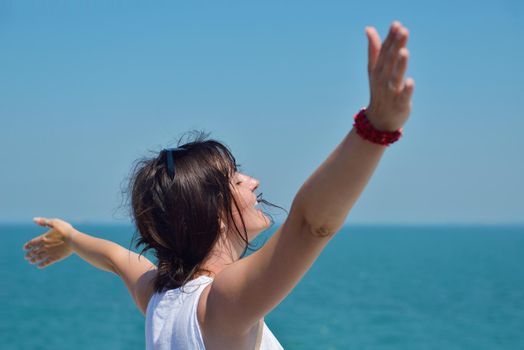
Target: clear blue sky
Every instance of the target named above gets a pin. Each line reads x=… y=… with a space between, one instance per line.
x=86 y=87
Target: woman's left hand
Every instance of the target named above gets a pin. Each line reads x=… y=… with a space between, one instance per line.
x=52 y=246
x=390 y=103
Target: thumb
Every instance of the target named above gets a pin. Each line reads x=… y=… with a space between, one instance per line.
x=43 y=222
x=409 y=86
x=374 y=45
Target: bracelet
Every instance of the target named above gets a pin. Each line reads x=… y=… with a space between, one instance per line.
x=367 y=131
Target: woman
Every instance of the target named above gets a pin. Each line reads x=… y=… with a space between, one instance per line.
x=198 y=214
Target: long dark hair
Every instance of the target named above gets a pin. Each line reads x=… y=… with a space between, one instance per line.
x=178 y=218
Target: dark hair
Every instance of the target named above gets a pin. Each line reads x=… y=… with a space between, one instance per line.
x=178 y=218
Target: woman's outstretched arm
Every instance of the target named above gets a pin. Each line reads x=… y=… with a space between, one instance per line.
x=332 y=190
x=63 y=239
x=249 y=289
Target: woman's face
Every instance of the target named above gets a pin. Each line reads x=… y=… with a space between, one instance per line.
x=255 y=220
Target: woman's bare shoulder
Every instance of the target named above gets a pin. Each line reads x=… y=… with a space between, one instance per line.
x=145 y=290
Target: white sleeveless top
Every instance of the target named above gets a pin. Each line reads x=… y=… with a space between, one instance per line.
x=172 y=324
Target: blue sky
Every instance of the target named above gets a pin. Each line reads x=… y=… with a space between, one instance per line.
x=89 y=86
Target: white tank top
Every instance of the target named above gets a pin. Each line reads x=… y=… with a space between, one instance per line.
x=171 y=320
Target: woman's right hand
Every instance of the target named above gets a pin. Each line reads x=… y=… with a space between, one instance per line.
x=51 y=246
x=390 y=102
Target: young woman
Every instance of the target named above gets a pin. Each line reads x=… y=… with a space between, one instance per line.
x=197 y=213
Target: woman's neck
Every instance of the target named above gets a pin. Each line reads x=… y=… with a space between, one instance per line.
x=223 y=254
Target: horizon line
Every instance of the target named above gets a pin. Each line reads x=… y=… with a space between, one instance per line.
x=277 y=223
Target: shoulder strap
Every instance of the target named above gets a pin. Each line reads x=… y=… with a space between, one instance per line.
x=259 y=334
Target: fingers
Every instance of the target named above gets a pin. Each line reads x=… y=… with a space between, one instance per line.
x=388 y=63
x=34 y=247
x=396 y=53
x=35 y=256
x=386 y=46
x=48 y=248
x=38 y=241
x=42 y=260
x=374 y=44
x=396 y=79
x=45 y=263
x=35 y=243
x=41 y=255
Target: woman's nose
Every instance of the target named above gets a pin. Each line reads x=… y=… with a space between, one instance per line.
x=255 y=184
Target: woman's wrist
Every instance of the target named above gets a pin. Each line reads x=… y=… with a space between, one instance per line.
x=68 y=236
x=368 y=131
x=378 y=123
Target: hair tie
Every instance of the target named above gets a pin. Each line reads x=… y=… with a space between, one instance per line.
x=170 y=160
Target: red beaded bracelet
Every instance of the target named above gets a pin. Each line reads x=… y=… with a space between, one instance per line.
x=366 y=130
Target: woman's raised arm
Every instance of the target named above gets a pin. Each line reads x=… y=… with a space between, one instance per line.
x=332 y=190
x=246 y=291
x=63 y=239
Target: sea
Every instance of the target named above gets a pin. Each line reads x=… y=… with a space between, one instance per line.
x=373 y=287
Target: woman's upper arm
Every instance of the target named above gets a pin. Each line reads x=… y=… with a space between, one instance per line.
x=137 y=272
x=246 y=291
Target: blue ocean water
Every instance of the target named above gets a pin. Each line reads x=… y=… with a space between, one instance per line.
x=373 y=287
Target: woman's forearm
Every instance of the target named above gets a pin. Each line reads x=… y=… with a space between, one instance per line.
x=95 y=251
x=330 y=192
